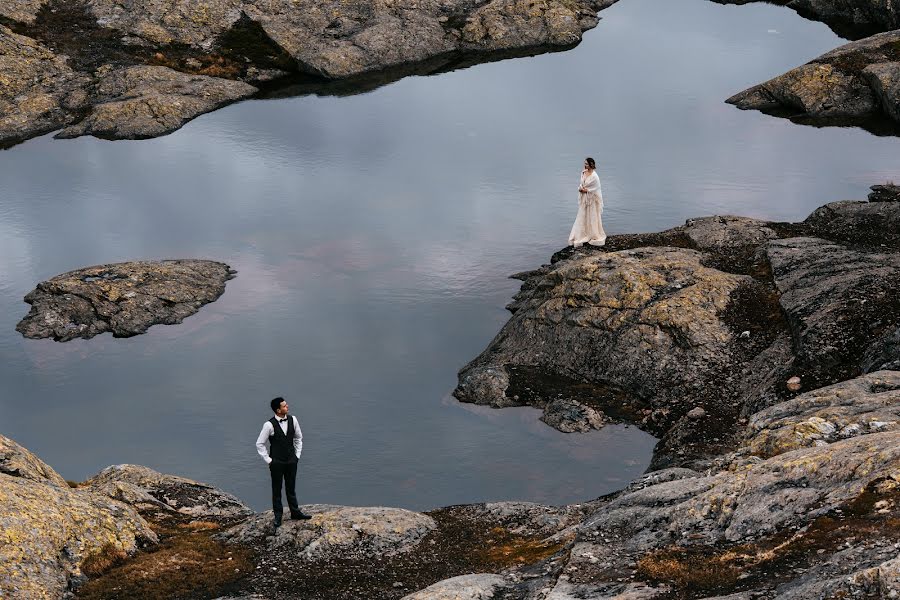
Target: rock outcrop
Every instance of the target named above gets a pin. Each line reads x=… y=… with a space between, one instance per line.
x=855 y=84
x=338 y=530
x=124 y=298
x=51 y=534
x=852 y=19
x=152 y=66
x=150 y=490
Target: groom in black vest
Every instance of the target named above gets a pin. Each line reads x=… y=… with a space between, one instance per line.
x=279 y=444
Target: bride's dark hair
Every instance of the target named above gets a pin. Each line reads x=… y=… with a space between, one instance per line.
x=590 y=162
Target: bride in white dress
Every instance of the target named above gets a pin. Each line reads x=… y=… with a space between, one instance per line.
x=588 y=229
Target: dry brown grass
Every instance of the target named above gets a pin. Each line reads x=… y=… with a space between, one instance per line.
x=504 y=549
x=103 y=560
x=190 y=565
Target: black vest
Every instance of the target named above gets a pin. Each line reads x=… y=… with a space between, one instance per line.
x=281 y=446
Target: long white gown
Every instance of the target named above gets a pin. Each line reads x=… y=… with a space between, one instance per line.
x=588 y=228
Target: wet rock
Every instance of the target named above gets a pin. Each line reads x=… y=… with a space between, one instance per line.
x=39 y=92
x=124 y=298
x=864 y=405
x=49 y=533
x=478 y=586
x=16 y=461
x=885 y=193
x=647 y=321
x=836 y=300
x=856 y=83
x=144 y=102
x=570 y=416
x=147 y=489
x=337 y=530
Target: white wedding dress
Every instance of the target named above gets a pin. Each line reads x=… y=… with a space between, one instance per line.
x=588 y=229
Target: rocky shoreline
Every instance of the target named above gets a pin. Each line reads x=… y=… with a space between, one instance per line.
x=758 y=489
x=149 y=69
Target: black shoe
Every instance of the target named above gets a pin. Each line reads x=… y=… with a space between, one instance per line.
x=296 y=514
x=277 y=521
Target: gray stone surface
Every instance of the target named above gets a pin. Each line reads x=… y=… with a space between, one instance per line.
x=570 y=416
x=134 y=483
x=124 y=298
x=345 y=530
x=854 y=83
x=144 y=102
x=16 y=461
x=23 y=11
x=477 y=586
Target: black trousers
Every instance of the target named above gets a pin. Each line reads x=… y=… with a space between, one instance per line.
x=288 y=473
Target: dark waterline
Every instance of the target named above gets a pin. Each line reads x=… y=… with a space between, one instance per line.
x=373 y=235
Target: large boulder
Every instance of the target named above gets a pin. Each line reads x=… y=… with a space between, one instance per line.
x=477 y=586
x=645 y=321
x=857 y=83
x=839 y=301
x=147 y=489
x=17 y=461
x=124 y=298
x=51 y=534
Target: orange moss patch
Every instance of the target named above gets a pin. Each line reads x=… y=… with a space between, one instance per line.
x=505 y=549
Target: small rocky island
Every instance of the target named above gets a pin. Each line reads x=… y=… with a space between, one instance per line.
x=124 y=298
x=766 y=356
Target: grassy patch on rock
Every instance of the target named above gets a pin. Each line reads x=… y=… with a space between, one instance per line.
x=187 y=563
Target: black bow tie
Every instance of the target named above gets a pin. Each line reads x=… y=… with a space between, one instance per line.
x=282 y=420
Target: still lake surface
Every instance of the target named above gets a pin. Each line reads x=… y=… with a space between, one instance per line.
x=373 y=235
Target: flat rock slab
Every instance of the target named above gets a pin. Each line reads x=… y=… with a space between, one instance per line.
x=143 y=487
x=124 y=298
x=344 y=530
x=477 y=586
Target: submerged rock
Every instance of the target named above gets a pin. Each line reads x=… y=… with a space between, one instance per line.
x=124 y=298
x=858 y=84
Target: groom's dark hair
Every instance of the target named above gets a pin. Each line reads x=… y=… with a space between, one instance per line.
x=275 y=403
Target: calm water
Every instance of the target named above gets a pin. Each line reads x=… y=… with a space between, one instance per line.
x=373 y=235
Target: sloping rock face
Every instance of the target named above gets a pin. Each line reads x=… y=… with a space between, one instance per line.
x=337 y=530
x=645 y=321
x=124 y=298
x=39 y=92
x=857 y=84
x=16 y=461
x=147 y=489
x=152 y=65
x=149 y=101
x=49 y=532
x=851 y=19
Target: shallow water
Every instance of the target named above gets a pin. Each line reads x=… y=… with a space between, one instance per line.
x=373 y=235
